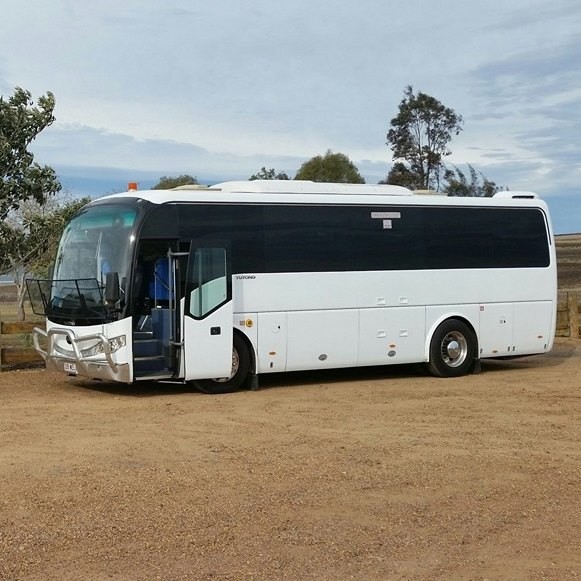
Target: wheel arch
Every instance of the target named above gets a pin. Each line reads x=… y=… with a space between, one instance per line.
x=442 y=319
x=249 y=346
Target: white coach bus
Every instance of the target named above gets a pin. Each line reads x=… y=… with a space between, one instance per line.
x=222 y=284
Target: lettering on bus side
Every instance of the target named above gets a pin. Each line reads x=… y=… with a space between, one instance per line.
x=387 y=218
x=245 y=276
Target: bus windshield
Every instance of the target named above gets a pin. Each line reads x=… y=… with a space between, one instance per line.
x=97 y=241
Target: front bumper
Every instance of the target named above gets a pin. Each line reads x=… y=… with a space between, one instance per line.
x=92 y=369
x=75 y=364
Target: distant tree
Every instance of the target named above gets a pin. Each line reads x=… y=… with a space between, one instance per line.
x=167 y=183
x=419 y=137
x=332 y=167
x=21 y=178
x=29 y=239
x=479 y=186
x=268 y=174
x=401 y=175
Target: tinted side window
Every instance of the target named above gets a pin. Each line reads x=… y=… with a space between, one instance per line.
x=308 y=238
x=293 y=238
x=240 y=225
x=161 y=222
x=361 y=238
x=485 y=238
x=387 y=238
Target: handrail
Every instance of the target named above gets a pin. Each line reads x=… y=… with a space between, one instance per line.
x=35 y=334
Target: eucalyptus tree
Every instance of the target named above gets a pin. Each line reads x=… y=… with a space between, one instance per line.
x=419 y=137
x=268 y=174
x=21 y=178
x=458 y=184
x=29 y=239
x=331 y=167
x=168 y=182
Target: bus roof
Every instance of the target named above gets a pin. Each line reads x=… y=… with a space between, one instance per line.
x=307 y=192
x=308 y=187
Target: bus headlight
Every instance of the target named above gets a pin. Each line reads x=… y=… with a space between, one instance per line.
x=114 y=345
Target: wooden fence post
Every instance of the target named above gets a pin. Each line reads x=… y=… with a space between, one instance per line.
x=573 y=315
x=13 y=356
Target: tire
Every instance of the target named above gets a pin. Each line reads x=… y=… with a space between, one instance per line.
x=453 y=349
x=240 y=370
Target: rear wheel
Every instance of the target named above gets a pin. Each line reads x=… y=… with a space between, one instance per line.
x=238 y=374
x=452 y=350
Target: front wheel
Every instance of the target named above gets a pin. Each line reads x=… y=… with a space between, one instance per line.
x=238 y=374
x=452 y=349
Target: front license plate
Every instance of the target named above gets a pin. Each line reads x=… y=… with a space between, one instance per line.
x=70 y=367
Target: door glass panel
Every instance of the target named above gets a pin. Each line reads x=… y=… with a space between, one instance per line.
x=209 y=281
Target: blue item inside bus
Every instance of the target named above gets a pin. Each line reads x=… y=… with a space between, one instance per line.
x=159 y=286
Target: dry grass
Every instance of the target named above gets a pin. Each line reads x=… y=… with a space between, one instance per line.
x=569 y=261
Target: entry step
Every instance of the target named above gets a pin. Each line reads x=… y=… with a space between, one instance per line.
x=146 y=348
x=149 y=364
x=156 y=377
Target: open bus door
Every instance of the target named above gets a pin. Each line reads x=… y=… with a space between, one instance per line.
x=157 y=336
x=207 y=313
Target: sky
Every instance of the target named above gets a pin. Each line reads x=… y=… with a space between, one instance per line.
x=217 y=90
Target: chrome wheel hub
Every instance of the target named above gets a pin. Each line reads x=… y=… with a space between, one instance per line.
x=454 y=349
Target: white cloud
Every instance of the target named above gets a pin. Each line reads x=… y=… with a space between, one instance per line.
x=225 y=87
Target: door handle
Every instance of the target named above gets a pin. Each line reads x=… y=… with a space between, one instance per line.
x=215 y=330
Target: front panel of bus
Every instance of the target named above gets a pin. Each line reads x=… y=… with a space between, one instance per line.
x=128 y=293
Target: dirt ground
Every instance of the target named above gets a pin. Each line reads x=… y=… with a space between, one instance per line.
x=380 y=473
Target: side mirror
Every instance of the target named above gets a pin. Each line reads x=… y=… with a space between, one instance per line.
x=111 y=288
